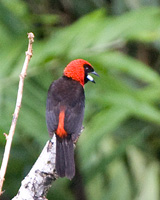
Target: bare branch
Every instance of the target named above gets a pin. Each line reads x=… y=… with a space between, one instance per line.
x=38 y=181
x=36 y=184
x=9 y=137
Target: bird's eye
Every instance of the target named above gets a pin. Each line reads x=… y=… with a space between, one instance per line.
x=87 y=68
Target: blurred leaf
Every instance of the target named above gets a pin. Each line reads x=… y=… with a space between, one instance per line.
x=118 y=189
x=12 y=23
x=122 y=109
x=101 y=125
x=149 y=188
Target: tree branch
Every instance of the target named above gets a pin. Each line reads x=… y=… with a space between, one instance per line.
x=36 y=184
x=9 y=137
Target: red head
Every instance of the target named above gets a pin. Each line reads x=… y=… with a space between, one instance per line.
x=78 y=70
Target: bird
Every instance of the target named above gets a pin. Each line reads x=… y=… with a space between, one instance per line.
x=65 y=112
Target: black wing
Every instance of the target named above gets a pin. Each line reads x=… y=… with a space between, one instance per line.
x=74 y=118
x=52 y=110
x=68 y=94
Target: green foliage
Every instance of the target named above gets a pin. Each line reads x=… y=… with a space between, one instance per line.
x=119 y=148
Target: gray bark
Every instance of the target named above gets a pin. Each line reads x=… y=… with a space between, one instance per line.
x=36 y=184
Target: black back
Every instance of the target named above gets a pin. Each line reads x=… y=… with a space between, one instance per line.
x=68 y=94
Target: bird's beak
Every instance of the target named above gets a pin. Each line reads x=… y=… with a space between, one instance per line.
x=95 y=73
x=90 y=78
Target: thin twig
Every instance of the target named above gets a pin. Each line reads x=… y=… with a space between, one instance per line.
x=9 y=137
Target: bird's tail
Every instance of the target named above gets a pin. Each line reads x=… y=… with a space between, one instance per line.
x=65 y=165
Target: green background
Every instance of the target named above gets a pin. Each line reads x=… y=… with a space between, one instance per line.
x=118 y=153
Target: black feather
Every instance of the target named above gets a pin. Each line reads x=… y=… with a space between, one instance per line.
x=65 y=157
x=68 y=94
x=60 y=161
